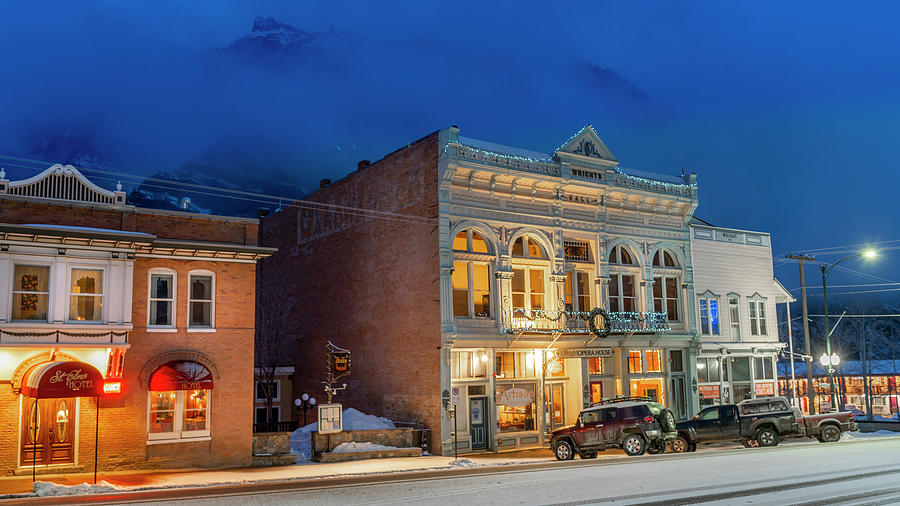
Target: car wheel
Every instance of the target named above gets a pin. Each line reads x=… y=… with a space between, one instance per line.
x=657 y=447
x=634 y=445
x=680 y=445
x=767 y=437
x=830 y=434
x=589 y=455
x=564 y=451
x=667 y=421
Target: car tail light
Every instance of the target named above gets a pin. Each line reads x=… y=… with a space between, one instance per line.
x=648 y=419
x=851 y=416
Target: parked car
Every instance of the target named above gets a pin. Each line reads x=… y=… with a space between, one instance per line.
x=759 y=422
x=634 y=424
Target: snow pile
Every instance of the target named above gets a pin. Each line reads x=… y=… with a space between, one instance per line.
x=352 y=420
x=353 y=447
x=47 y=489
x=855 y=436
x=463 y=463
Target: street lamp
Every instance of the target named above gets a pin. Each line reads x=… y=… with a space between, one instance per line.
x=826 y=268
x=305 y=402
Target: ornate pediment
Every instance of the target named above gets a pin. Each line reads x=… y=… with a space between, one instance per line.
x=62 y=182
x=587 y=143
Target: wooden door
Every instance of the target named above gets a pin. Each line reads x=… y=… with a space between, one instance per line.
x=48 y=431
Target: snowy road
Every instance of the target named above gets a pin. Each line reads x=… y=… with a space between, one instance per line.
x=857 y=472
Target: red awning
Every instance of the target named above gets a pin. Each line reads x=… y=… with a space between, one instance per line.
x=62 y=379
x=181 y=375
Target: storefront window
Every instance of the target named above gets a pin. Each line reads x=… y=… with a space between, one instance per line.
x=707 y=370
x=740 y=369
x=595 y=365
x=178 y=414
x=516 y=407
x=741 y=391
x=468 y=364
x=762 y=368
x=162 y=412
x=634 y=361
x=649 y=387
x=195 y=410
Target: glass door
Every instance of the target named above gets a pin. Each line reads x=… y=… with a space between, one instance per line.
x=554 y=414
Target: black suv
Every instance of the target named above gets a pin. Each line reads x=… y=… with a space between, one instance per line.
x=634 y=424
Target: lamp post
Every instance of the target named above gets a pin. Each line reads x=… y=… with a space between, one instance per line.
x=826 y=268
x=830 y=361
x=305 y=402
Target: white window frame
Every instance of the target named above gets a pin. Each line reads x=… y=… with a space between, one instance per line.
x=69 y=294
x=13 y=291
x=526 y=268
x=178 y=435
x=618 y=255
x=572 y=276
x=276 y=398
x=212 y=309
x=708 y=298
x=276 y=411
x=660 y=278
x=734 y=316
x=621 y=289
x=756 y=303
x=470 y=288
x=150 y=299
x=526 y=239
x=474 y=359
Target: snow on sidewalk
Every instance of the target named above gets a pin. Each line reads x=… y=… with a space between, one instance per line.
x=856 y=436
x=47 y=489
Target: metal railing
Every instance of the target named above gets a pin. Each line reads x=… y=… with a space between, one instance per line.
x=578 y=322
x=289 y=426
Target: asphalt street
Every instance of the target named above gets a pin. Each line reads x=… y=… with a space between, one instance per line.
x=854 y=472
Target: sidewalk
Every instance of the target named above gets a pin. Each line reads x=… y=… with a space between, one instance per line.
x=199 y=477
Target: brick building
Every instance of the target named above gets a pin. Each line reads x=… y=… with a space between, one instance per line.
x=462 y=271
x=148 y=312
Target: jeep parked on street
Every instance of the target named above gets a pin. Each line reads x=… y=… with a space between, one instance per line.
x=634 y=424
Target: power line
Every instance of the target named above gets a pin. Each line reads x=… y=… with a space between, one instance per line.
x=847 y=286
x=242 y=195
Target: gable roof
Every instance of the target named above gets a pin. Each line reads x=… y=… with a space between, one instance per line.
x=587 y=143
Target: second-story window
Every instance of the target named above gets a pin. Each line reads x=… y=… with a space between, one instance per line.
x=162 y=300
x=86 y=295
x=471 y=279
x=734 y=314
x=30 y=292
x=526 y=247
x=665 y=296
x=709 y=316
x=577 y=291
x=758 y=318
x=528 y=289
x=621 y=293
x=200 y=301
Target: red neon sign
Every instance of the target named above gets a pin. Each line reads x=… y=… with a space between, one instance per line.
x=112 y=387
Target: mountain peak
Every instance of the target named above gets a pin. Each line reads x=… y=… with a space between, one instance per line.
x=264 y=24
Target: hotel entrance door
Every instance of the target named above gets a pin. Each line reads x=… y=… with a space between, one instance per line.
x=48 y=431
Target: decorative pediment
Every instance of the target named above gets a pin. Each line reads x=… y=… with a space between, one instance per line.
x=62 y=182
x=588 y=144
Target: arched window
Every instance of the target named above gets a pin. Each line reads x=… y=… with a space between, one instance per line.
x=526 y=247
x=663 y=258
x=470 y=241
x=621 y=256
x=471 y=278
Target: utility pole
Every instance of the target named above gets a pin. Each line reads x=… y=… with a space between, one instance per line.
x=810 y=387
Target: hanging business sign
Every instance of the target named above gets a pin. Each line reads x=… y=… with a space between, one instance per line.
x=584 y=352
x=514 y=397
x=341 y=362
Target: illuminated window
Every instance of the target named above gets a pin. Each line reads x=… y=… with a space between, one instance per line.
x=30 y=292
x=86 y=295
x=595 y=365
x=178 y=414
x=654 y=361
x=577 y=293
x=527 y=247
x=516 y=407
x=577 y=251
x=709 y=316
x=528 y=289
x=471 y=280
x=468 y=364
x=634 y=361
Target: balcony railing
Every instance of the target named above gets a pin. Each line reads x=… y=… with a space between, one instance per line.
x=62 y=337
x=543 y=321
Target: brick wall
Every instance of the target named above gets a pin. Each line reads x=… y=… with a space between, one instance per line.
x=369 y=285
x=184 y=226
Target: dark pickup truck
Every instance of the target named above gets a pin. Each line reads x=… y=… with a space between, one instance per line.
x=762 y=422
